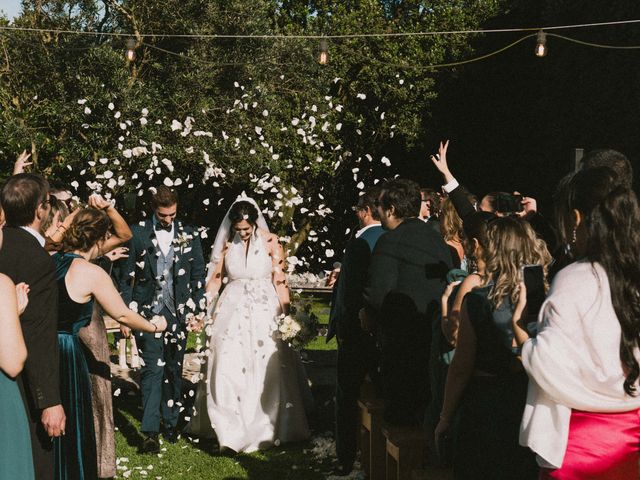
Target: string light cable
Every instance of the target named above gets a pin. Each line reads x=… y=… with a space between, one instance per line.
x=425 y=67
x=9 y=28
x=363 y=35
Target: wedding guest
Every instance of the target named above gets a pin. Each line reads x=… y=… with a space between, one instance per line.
x=617 y=162
x=445 y=326
x=80 y=283
x=430 y=203
x=357 y=351
x=452 y=232
x=475 y=233
x=613 y=159
x=15 y=442
x=164 y=274
x=406 y=278
x=25 y=200
x=53 y=223
x=94 y=338
x=486 y=382
x=582 y=417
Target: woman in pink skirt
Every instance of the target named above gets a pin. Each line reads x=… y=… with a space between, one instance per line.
x=582 y=417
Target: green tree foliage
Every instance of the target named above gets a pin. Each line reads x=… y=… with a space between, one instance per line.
x=216 y=116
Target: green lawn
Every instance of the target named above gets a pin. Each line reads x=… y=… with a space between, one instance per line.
x=201 y=460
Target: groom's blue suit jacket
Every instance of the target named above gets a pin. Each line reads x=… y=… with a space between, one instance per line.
x=137 y=279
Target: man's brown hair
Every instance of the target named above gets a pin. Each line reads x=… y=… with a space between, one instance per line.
x=21 y=196
x=164 y=197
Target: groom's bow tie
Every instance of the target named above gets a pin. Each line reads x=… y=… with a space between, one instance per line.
x=160 y=226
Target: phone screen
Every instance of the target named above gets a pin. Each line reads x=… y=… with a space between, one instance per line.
x=533 y=276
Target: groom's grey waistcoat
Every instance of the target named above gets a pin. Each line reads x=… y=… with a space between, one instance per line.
x=164 y=285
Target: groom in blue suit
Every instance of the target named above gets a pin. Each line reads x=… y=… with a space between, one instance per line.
x=357 y=351
x=163 y=275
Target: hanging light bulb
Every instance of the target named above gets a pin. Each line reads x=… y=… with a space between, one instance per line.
x=541 y=44
x=323 y=57
x=131 y=49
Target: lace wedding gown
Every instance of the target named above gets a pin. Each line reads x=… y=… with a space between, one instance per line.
x=254 y=389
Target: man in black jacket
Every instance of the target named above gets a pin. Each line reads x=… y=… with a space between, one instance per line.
x=406 y=279
x=357 y=351
x=25 y=200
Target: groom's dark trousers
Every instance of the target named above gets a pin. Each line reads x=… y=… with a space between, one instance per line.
x=161 y=377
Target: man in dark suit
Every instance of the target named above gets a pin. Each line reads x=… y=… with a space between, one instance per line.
x=406 y=279
x=25 y=201
x=357 y=351
x=163 y=275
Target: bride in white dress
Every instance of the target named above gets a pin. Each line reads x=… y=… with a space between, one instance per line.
x=254 y=384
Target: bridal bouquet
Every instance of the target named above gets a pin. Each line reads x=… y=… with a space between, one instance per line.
x=299 y=327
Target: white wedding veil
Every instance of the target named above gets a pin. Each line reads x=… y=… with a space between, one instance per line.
x=222 y=237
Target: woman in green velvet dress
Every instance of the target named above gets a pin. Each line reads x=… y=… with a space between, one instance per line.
x=16 y=460
x=80 y=283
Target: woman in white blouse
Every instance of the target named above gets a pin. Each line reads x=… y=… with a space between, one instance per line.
x=582 y=416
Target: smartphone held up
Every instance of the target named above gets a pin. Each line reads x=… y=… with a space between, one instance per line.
x=533 y=278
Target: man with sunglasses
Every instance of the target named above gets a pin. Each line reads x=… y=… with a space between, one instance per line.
x=26 y=203
x=357 y=351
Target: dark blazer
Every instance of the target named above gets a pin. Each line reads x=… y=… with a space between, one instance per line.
x=347 y=298
x=407 y=275
x=137 y=273
x=24 y=260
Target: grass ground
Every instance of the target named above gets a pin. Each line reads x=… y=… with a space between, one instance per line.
x=200 y=460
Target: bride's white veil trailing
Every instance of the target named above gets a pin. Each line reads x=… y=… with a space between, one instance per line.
x=222 y=237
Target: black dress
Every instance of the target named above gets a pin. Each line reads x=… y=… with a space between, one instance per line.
x=486 y=442
x=75 y=452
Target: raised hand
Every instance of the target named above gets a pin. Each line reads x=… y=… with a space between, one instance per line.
x=21 y=162
x=440 y=161
x=22 y=294
x=529 y=206
x=97 y=201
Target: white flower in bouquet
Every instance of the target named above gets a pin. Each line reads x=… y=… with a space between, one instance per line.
x=289 y=328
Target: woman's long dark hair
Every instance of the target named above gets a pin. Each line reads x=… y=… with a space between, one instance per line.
x=611 y=217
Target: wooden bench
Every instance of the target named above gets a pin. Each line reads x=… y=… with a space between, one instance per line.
x=405 y=450
x=372 y=441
